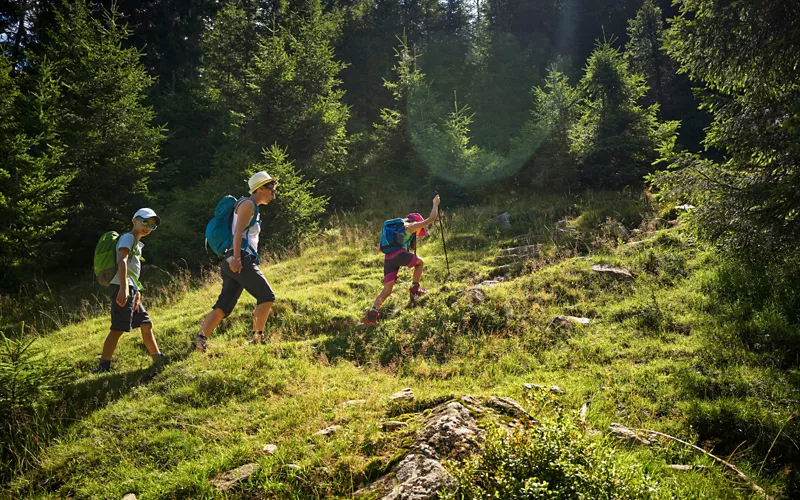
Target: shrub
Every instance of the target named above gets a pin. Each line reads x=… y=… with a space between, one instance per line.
x=552 y=461
x=29 y=382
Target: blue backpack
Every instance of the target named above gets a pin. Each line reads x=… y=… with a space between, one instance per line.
x=392 y=235
x=218 y=229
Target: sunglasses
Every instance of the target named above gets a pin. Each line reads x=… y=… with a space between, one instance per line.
x=152 y=227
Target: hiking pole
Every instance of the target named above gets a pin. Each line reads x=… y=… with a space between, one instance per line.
x=441 y=230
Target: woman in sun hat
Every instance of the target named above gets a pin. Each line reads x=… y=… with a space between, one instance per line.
x=414 y=227
x=239 y=268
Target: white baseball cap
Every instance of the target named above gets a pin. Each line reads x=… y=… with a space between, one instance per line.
x=146 y=213
x=259 y=179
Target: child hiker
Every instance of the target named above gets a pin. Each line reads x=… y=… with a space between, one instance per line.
x=410 y=228
x=127 y=310
x=239 y=268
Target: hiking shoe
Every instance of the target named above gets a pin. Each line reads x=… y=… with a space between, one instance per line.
x=160 y=359
x=371 y=317
x=101 y=369
x=200 y=343
x=258 y=339
x=416 y=292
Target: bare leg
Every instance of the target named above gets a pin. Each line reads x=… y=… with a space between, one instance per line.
x=387 y=290
x=418 y=267
x=110 y=345
x=149 y=339
x=211 y=321
x=260 y=316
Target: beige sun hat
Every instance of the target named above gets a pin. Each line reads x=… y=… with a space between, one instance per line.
x=259 y=179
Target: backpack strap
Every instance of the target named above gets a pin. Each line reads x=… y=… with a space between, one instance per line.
x=251 y=224
x=134 y=251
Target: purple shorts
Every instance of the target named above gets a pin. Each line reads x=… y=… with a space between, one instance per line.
x=394 y=261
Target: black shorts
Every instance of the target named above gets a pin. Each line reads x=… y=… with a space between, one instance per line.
x=123 y=319
x=393 y=263
x=250 y=278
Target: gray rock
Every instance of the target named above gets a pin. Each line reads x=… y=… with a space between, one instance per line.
x=293 y=467
x=329 y=431
x=229 y=480
x=473 y=404
x=476 y=294
x=419 y=478
x=517 y=254
x=129 y=496
x=619 y=431
x=553 y=388
x=623 y=232
x=509 y=407
x=393 y=425
x=269 y=449
x=405 y=395
x=450 y=431
x=502 y=220
x=352 y=402
x=612 y=270
x=568 y=322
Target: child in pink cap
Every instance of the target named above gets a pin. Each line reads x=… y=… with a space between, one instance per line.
x=414 y=227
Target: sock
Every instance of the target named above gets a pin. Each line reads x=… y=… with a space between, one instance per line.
x=415 y=284
x=373 y=308
x=201 y=335
x=105 y=364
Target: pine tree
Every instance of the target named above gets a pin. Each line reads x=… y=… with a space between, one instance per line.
x=643 y=50
x=615 y=139
x=32 y=182
x=542 y=148
x=747 y=54
x=106 y=129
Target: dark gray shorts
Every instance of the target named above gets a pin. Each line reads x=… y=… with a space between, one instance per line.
x=250 y=278
x=123 y=319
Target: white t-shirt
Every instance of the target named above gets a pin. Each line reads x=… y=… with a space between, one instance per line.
x=128 y=240
x=249 y=235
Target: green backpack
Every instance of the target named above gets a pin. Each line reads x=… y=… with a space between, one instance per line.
x=105 y=259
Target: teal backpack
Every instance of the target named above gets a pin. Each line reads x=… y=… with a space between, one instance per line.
x=392 y=235
x=218 y=229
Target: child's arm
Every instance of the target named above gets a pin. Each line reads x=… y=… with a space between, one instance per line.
x=122 y=273
x=430 y=220
x=245 y=214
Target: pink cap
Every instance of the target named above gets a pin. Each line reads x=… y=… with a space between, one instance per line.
x=416 y=217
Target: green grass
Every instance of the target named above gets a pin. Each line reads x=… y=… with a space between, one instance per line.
x=662 y=352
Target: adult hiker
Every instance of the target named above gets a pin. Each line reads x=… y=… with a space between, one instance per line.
x=398 y=240
x=127 y=308
x=239 y=267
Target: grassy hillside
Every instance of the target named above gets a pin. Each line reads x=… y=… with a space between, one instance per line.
x=679 y=348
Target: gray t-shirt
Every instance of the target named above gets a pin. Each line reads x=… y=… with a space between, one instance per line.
x=128 y=241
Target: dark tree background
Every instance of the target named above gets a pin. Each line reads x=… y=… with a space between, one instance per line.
x=109 y=106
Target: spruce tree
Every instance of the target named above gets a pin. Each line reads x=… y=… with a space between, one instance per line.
x=32 y=182
x=106 y=129
x=747 y=54
x=615 y=138
x=542 y=148
x=644 y=53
